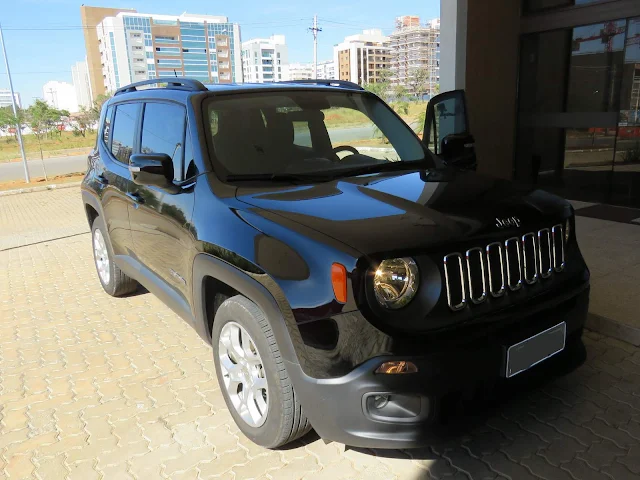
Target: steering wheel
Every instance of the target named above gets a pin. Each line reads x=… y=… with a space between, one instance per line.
x=345 y=148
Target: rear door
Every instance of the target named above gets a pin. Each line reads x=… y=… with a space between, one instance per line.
x=116 y=145
x=160 y=220
x=446 y=129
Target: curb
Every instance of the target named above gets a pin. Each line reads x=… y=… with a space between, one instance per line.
x=611 y=328
x=40 y=188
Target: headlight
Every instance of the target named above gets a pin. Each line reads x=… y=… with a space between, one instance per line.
x=567 y=230
x=396 y=282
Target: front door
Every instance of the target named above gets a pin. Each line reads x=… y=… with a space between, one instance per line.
x=446 y=129
x=160 y=220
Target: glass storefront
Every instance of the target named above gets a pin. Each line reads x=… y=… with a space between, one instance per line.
x=579 y=111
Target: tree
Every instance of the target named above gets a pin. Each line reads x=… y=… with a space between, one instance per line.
x=96 y=108
x=9 y=121
x=83 y=122
x=382 y=86
x=418 y=81
x=43 y=119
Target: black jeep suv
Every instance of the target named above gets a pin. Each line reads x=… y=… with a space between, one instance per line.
x=348 y=275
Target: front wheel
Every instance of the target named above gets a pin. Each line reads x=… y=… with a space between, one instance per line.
x=253 y=377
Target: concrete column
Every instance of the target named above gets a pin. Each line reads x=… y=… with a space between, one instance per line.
x=453 y=44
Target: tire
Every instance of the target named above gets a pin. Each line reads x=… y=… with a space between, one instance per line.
x=284 y=420
x=115 y=282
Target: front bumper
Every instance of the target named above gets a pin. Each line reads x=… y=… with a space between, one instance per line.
x=337 y=407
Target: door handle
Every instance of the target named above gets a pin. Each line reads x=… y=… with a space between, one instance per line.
x=136 y=198
x=102 y=179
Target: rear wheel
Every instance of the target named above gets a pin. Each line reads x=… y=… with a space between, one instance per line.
x=112 y=279
x=253 y=377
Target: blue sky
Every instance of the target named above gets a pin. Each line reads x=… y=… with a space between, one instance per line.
x=38 y=55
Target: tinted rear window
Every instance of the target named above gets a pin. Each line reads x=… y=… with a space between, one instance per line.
x=123 y=131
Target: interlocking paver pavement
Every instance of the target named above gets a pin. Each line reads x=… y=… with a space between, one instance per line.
x=104 y=388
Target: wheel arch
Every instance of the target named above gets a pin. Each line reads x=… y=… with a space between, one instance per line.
x=213 y=274
x=92 y=207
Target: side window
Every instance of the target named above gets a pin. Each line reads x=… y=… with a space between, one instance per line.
x=123 y=130
x=162 y=132
x=106 y=126
x=302 y=134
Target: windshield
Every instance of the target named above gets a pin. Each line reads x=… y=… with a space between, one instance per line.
x=307 y=132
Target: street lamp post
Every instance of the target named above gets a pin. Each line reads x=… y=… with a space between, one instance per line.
x=15 y=110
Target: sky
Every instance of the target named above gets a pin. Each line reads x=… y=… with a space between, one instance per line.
x=44 y=37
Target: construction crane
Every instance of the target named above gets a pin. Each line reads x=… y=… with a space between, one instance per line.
x=607 y=34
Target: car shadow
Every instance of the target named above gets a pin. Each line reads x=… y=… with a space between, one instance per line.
x=476 y=425
x=138 y=291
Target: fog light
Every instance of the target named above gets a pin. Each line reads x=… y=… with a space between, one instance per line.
x=397 y=367
x=380 y=401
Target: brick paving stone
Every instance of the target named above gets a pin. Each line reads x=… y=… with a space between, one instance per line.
x=122 y=388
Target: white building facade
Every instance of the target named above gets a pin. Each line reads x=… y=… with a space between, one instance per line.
x=137 y=46
x=81 y=84
x=60 y=95
x=265 y=60
x=327 y=70
x=300 y=71
x=5 y=98
x=363 y=57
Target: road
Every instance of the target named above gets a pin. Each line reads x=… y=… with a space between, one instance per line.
x=54 y=166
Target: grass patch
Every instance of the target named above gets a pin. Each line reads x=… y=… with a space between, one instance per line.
x=51 y=147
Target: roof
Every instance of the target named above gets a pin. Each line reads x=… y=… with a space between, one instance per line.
x=183 y=85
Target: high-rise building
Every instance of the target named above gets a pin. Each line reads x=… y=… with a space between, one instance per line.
x=265 y=60
x=5 y=98
x=82 y=84
x=416 y=47
x=138 y=46
x=60 y=95
x=91 y=17
x=363 y=57
x=300 y=71
x=327 y=70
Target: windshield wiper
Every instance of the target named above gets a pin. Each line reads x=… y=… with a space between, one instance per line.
x=280 y=177
x=379 y=167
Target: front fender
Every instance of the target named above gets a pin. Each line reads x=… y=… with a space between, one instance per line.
x=257 y=287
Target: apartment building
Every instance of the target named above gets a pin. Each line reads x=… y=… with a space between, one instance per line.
x=300 y=71
x=415 y=47
x=5 y=98
x=265 y=60
x=60 y=95
x=82 y=84
x=136 y=46
x=363 y=57
x=327 y=70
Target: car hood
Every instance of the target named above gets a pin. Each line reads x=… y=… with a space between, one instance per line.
x=410 y=210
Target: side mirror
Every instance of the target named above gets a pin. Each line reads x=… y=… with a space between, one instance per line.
x=154 y=169
x=458 y=149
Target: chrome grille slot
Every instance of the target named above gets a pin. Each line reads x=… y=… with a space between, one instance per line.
x=501 y=268
x=557 y=234
x=513 y=256
x=476 y=275
x=455 y=281
x=495 y=267
x=530 y=258
x=545 y=267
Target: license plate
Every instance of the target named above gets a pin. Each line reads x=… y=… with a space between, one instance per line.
x=524 y=355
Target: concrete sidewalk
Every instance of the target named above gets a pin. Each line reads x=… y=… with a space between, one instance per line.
x=612 y=252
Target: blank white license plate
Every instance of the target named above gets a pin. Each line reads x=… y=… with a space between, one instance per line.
x=524 y=355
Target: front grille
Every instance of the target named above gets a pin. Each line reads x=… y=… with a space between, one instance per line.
x=503 y=266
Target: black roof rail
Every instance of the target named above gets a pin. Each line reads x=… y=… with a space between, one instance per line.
x=172 y=83
x=329 y=83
